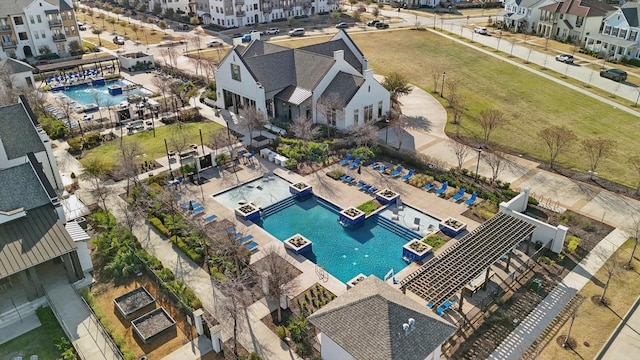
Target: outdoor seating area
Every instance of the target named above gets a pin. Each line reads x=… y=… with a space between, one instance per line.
x=59 y=82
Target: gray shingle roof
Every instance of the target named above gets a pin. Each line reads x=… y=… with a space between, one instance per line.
x=15 y=66
x=327 y=49
x=630 y=11
x=344 y=84
x=257 y=48
x=32 y=240
x=367 y=322
x=17 y=132
x=21 y=188
x=12 y=7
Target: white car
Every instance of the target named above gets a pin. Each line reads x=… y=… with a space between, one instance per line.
x=82 y=26
x=118 y=40
x=296 y=32
x=273 y=31
x=480 y=30
x=565 y=58
x=256 y=31
x=214 y=43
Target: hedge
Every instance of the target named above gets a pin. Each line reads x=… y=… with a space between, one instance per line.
x=184 y=247
x=157 y=223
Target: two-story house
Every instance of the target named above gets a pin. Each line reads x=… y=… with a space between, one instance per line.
x=178 y=6
x=327 y=83
x=30 y=28
x=523 y=15
x=619 y=35
x=572 y=19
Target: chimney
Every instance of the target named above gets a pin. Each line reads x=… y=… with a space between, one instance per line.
x=368 y=74
x=338 y=55
x=405 y=327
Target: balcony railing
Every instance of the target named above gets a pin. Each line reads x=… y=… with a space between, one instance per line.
x=240 y=14
x=239 y=2
x=55 y=22
x=4 y=28
x=59 y=37
x=9 y=45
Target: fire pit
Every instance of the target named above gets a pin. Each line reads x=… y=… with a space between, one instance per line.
x=452 y=226
x=300 y=189
x=386 y=196
x=415 y=250
x=153 y=325
x=298 y=244
x=248 y=212
x=356 y=280
x=134 y=303
x=351 y=216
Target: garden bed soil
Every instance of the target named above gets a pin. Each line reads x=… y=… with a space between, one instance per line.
x=105 y=292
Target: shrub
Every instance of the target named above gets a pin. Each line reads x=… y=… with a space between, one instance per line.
x=434 y=240
x=369 y=206
x=52 y=126
x=186 y=249
x=572 y=243
x=75 y=144
x=282 y=332
x=546 y=260
x=363 y=152
x=190 y=115
x=222 y=159
x=420 y=180
x=91 y=140
x=291 y=164
x=159 y=226
x=335 y=174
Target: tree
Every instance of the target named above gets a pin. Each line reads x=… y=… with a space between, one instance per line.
x=436 y=75
x=496 y=162
x=335 y=16
x=490 y=120
x=135 y=29
x=90 y=13
x=162 y=84
x=302 y=128
x=328 y=106
x=97 y=100
x=364 y=134
x=596 y=149
x=251 y=118
x=279 y=275
x=611 y=266
x=461 y=150
x=397 y=85
x=557 y=138
x=67 y=109
x=97 y=31
x=634 y=230
x=352 y=2
x=234 y=305
x=95 y=170
x=163 y=25
x=75 y=48
x=112 y=21
x=634 y=161
x=398 y=123
x=7 y=82
x=129 y=152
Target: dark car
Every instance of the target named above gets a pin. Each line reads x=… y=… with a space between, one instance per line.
x=237 y=35
x=183 y=27
x=134 y=13
x=382 y=25
x=373 y=22
x=614 y=74
x=342 y=25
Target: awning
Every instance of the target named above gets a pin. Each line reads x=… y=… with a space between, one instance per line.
x=76 y=232
x=294 y=95
x=74 y=208
x=568 y=24
x=516 y=17
x=613 y=40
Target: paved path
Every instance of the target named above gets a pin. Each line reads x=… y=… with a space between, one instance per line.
x=624 y=341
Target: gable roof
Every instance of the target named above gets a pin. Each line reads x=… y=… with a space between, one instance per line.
x=525 y=4
x=32 y=240
x=344 y=84
x=21 y=180
x=584 y=8
x=15 y=66
x=367 y=322
x=327 y=49
x=18 y=133
x=631 y=12
x=257 y=48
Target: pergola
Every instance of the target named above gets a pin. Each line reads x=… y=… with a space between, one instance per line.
x=70 y=64
x=444 y=275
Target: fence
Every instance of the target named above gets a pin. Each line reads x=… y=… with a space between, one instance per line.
x=117 y=354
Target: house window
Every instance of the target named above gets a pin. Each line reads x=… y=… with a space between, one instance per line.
x=23 y=36
x=579 y=21
x=18 y=20
x=633 y=35
x=356 y=113
x=31 y=19
x=379 y=108
x=607 y=30
x=39 y=18
x=35 y=35
x=235 y=72
x=43 y=34
x=368 y=113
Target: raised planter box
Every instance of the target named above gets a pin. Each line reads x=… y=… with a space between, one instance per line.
x=356 y=280
x=114 y=89
x=248 y=212
x=452 y=226
x=300 y=189
x=134 y=303
x=416 y=250
x=153 y=325
x=386 y=196
x=298 y=244
x=351 y=217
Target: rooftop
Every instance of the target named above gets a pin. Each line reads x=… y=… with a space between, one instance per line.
x=21 y=188
x=18 y=134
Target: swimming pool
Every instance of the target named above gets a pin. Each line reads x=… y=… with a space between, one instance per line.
x=84 y=94
x=261 y=192
x=343 y=252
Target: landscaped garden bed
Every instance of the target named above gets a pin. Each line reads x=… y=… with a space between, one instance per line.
x=134 y=303
x=248 y=212
x=386 y=196
x=351 y=217
x=298 y=244
x=416 y=250
x=452 y=226
x=154 y=325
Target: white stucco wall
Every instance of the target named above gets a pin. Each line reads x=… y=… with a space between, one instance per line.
x=247 y=86
x=370 y=93
x=20 y=79
x=83 y=256
x=329 y=350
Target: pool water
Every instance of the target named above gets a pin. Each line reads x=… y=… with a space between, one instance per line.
x=343 y=252
x=261 y=192
x=83 y=94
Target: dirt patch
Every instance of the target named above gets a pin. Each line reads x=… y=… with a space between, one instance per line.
x=106 y=292
x=226 y=353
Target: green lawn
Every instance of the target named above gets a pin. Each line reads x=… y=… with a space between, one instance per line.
x=153 y=147
x=489 y=83
x=40 y=341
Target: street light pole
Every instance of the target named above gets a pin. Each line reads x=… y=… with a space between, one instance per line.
x=479 y=150
x=442 y=89
x=166 y=147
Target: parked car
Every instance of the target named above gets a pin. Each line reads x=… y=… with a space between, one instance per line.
x=118 y=40
x=134 y=13
x=296 y=32
x=256 y=31
x=614 y=74
x=342 y=25
x=373 y=22
x=273 y=31
x=480 y=30
x=237 y=35
x=565 y=58
x=183 y=27
x=214 y=43
x=246 y=38
x=82 y=26
x=381 y=25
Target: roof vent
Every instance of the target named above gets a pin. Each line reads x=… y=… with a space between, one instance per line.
x=412 y=323
x=405 y=327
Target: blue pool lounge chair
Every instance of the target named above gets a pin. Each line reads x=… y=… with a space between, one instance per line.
x=443 y=188
x=245 y=239
x=429 y=186
x=408 y=175
x=382 y=168
x=344 y=177
x=366 y=187
x=374 y=164
x=397 y=171
x=472 y=199
x=196 y=211
x=459 y=195
x=251 y=246
x=210 y=218
x=372 y=190
x=346 y=160
x=360 y=184
x=354 y=163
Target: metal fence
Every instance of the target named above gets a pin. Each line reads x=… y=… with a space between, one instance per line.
x=96 y=329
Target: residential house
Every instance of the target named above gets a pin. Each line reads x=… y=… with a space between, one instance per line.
x=19 y=72
x=619 y=36
x=21 y=134
x=238 y=13
x=30 y=28
x=177 y=6
x=374 y=321
x=523 y=14
x=327 y=83
x=572 y=19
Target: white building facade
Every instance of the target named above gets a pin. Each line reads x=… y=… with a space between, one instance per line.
x=572 y=20
x=619 y=36
x=178 y=6
x=30 y=28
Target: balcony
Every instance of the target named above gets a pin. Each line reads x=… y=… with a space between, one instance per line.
x=240 y=14
x=266 y=9
x=5 y=28
x=55 y=23
x=59 y=37
x=9 y=45
x=239 y=2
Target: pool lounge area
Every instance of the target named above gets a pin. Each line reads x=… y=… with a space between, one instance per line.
x=102 y=92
